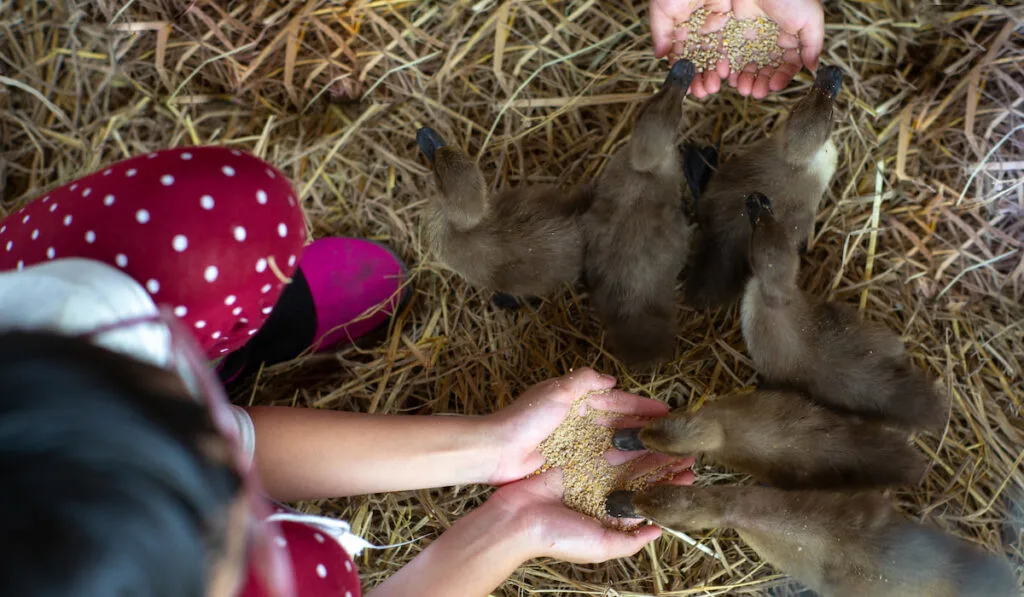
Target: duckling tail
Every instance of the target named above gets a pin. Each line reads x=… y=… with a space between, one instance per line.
x=642 y=340
x=698 y=165
x=719 y=270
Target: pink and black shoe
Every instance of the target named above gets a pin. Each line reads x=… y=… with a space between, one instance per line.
x=343 y=289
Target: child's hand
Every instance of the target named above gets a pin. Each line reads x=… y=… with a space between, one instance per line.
x=521 y=427
x=552 y=530
x=801 y=25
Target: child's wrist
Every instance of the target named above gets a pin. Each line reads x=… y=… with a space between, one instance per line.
x=518 y=533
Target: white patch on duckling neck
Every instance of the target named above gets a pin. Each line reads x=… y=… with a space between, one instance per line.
x=823 y=164
x=748 y=307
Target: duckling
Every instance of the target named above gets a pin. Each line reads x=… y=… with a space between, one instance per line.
x=824 y=348
x=795 y=165
x=838 y=544
x=522 y=242
x=783 y=439
x=637 y=232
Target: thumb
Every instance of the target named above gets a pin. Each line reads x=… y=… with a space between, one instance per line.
x=582 y=381
x=662 y=26
x=619 y=544
x=812 y=39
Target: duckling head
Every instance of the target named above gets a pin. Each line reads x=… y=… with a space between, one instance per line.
x=683 y=435
x=673 y=506
x=653 y=144
x=463 y=197
x=807 y=130
x=773 y=255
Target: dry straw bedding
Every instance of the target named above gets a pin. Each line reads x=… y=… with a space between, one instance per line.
x=923 y=227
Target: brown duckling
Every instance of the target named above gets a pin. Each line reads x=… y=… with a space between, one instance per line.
x=520 y=242
x=824 y=348
x=795 y=165
x=838 y=544
x=637 y=233
x=783 y=439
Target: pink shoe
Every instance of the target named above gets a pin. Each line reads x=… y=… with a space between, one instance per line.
x=343 y=290
x=357 y=285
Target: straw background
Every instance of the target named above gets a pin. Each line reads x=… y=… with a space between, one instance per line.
x=923 y=226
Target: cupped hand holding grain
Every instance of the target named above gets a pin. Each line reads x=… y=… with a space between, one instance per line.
x=521 y=427
x=801 y=31
x=553 y=530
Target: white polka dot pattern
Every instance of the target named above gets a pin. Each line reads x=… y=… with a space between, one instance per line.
x=194 y=226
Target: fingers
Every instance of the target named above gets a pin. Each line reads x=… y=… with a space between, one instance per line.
x=621 y=545
x=547 y=485
x=786 y=71
x=663 y=25
x=683 y=478
x=617 y=457
x=712 y=82
x=697 y=89
x=812 y=39
x=760 y=88
x=617 y=401
x=723 y=69
x=745 y=82
x=578 y=383
x=657 y=467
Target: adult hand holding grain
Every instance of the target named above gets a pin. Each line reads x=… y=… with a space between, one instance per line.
x=801 y=30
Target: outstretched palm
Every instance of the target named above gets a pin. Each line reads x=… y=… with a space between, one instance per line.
x=536 y=414
x=567 y=535
x=801 y=32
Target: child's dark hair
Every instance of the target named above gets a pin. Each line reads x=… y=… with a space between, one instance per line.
x=106 y=484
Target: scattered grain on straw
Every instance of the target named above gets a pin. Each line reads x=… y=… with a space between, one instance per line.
x=741 y=41
x=928 y=127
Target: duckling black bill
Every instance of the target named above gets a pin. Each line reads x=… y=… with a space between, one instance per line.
x=681 y=75
x=628 y=440
x=619 y=504
x=829 y=80
x=429 y=141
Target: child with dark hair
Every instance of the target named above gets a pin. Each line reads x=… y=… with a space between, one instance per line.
x=123 y=478
x=215 y=238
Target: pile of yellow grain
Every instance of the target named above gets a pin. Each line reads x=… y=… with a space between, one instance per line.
x=742 y=41
x=578 y=447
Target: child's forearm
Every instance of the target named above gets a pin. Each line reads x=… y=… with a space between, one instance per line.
x=473 y=557
x=307 y=454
